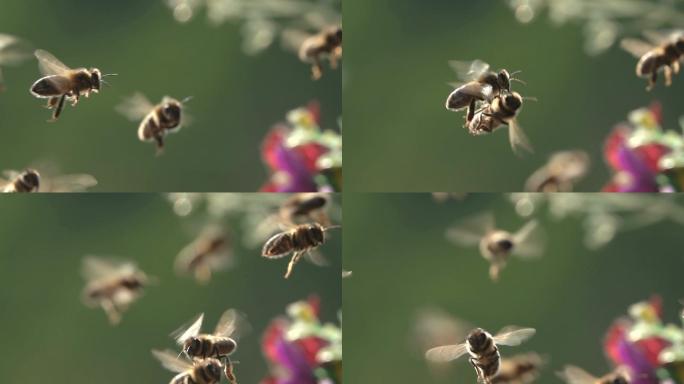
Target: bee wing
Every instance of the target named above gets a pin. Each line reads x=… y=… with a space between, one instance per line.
x=528 y=240
x=662 y=36
x=171 y=362
x=135 y=107
x=185 y=332
x=472 y=230
x=232 y=324
x=576 y=375
x=70 y=183
x=266 y=252
x=445 y=353
x=469 y=70
x=636 y=47
x=293 y=38
x=49 y=64
x=513 y=336
x=10 y=174
x=94 y=268
x=461 y=96
x=316 y=258
x=12 y=50
x=7 y=40
x=518 y=139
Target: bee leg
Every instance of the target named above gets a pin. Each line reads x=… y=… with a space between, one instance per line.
x=159 y=139
x=74 y=99
x=111 y=312
x=668 y=76
x=332 y=59
x=676 y=67
x=58 y=110
x=471 y=111
x=652 y=80
x=316 y=68
x=52 y=102
x=294 y=260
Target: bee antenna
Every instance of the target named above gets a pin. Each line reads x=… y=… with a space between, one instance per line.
x=514 y=73
x=110 y=74
x=186 y=99
x=530 y=98
x=105 y=82
x=332 y=227
x=518 y=80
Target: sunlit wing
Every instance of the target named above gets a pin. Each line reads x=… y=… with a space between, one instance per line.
x=232 y=324
x=446 y=353
x=469 y=70
x=97 y=267
x=513 y=336
x=135 y=107
x=519 y=141
x=529 y=240
x=471 y=230
x=185 y=332
x=434 y=326
x=10 y=174
x=292 y=39
x=7 y=40
x=69 y=183
x=659 y=37
x=576 y=375
x=316 y=258
x=636 y=47
x=49 y=64
x=170 y=361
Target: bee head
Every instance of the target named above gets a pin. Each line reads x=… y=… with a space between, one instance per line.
x=317 y=232
x=95 y=78
x=512 y=101
x=679 y=44
x=505 y=244
x=477 y=338
x=172 y=110
x=192 y=346
x=213 y=368
x=31 y=179
x=503 y=78
x=334 y=36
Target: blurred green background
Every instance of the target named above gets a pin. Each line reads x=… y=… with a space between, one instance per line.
x=237 y=97
x=395 y=245
x=396 y=70
x=50 y=336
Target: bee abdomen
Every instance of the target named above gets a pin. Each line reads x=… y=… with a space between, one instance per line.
x=149 y=129
x=45 y=88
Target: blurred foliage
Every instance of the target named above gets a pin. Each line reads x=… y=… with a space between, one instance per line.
x=402 y=263
x=402 y=47
x=55 y=338
x=237 y=98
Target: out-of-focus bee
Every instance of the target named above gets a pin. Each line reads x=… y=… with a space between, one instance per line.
x=442 y=197
x=205 y=371
x=11 y=53
x=112 y=285
x=483 y=350
x=61 y=82
x=300 y=241
x=664 y=51
x=346 y=274
x=576 y=375
x=479 y=84
x=497 y=245
x=211 y=251
x=312 y=49
x=305 y=207
x=503 y=110
x=30 y=180
x=563 y=170
x=519 y=369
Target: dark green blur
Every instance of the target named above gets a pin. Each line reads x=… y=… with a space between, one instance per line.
x=395 y=245
x=403 y=139
x=49 y=336
x=236 y=98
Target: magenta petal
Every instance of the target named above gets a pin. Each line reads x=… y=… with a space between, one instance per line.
x=290 y=162
x=641 y=178
x=641 y=370
x=294 y=361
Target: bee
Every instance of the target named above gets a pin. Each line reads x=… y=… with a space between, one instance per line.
x=112 y=285
x=157 y=120
x=483 y=350
x=480 y=84
x=664 y=52
x=300 y=241
x=560 y=173
x=305 y=206
x=61 y=82
x=346 y=274
x=11 y=53
x=576 y=375
x=326 y=43
x=519 y=369
x=31 y=180
x=205 y=371
x=497 y=245
x=211 y=251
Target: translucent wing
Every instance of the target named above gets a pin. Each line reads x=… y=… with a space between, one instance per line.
x=469 y=70
x=10 y=174
x=69 y=183
x=49 y=64
x=292 y=39
x=7 y=40
x=232 y=324
x=12 y=50
x=528 y=240
x=185 y=332
x=171 y=362
x=316 y=258
x=94 y=268
x=661 y=37
x=446 y=353
x=519 y=141
x=513 y=336
x=472 y=230
x=635 y=46
x=135 y=107
x=575 y=375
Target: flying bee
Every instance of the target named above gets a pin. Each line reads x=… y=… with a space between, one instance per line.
x=483 y=350
x=211 y=251
x=497 y=245
x=576 y=375
x=664 y=52
x=503 y=110
x=11 y=53
x=205 y=371
x=479 y=84
x=112 y=285
x=61 y=82
x=560 y=173
x=327 y=43
x=305 y=206
x=157 y=120
x=519 y=369
x=31 y=180
x=301 y=240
